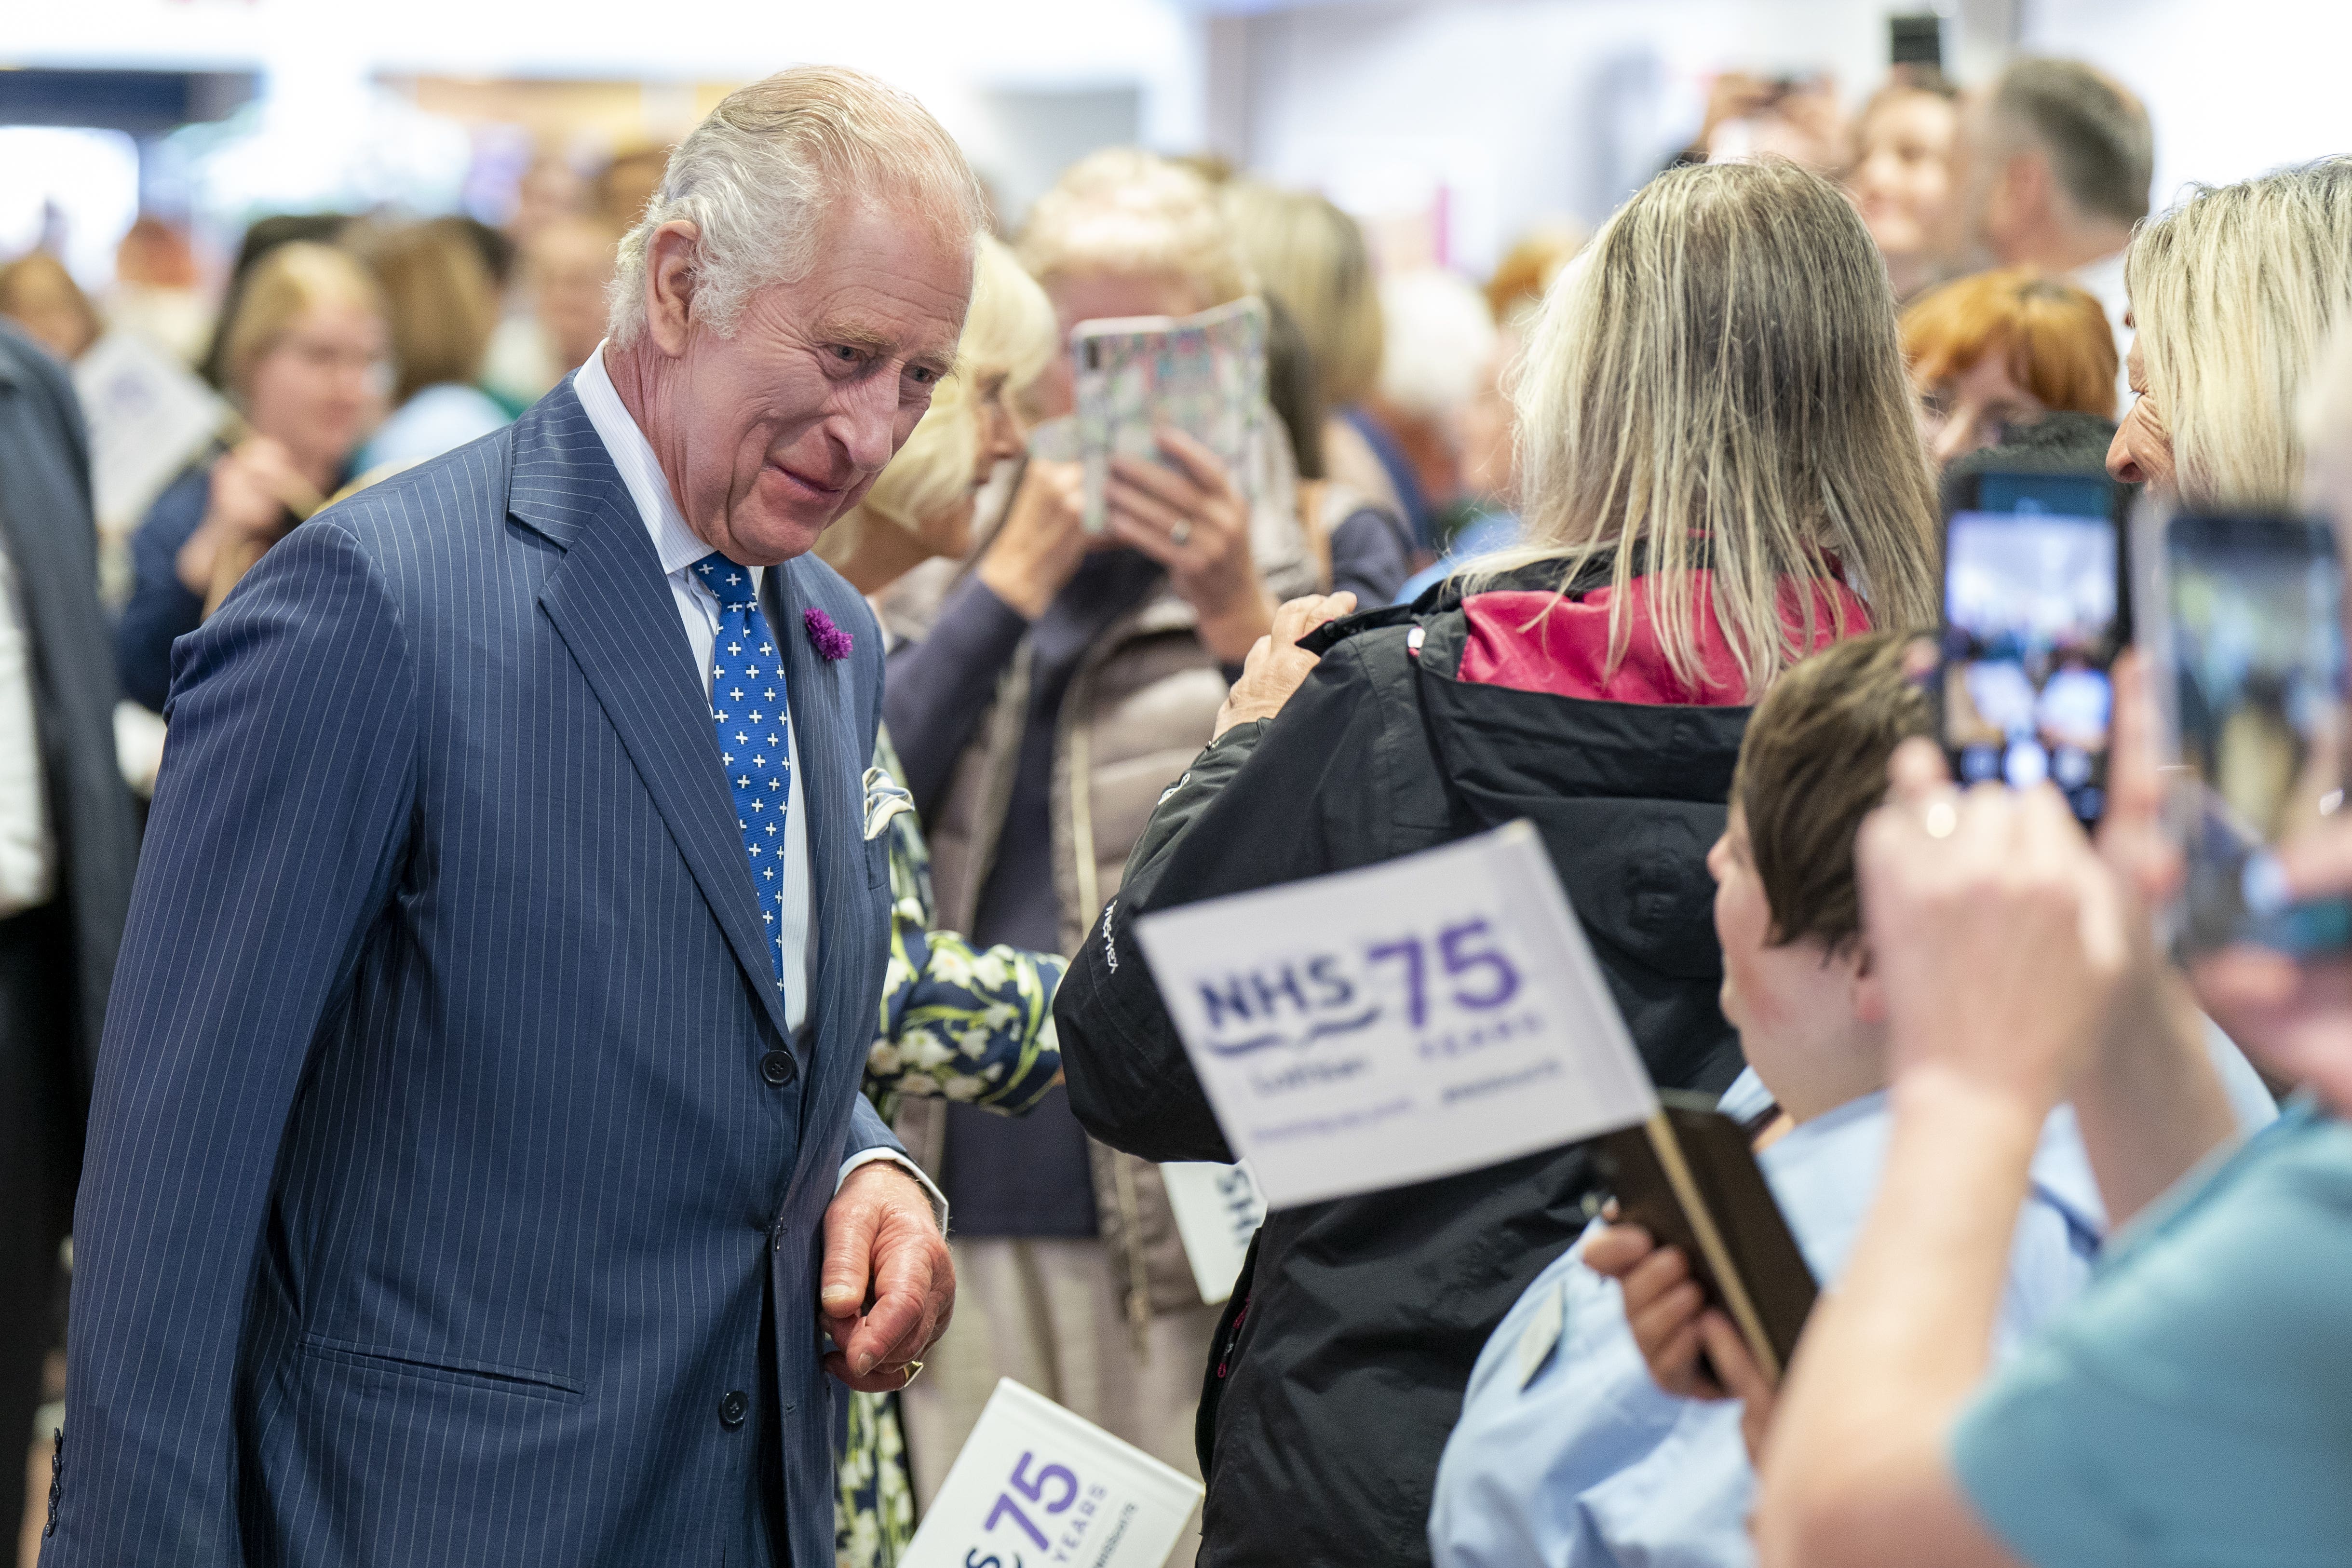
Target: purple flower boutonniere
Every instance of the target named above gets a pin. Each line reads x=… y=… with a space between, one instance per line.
x=831 y=642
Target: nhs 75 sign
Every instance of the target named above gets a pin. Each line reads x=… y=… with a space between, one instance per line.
x=1407 y=1021
x=1037 y=1487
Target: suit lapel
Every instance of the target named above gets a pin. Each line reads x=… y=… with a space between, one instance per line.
x=615 y=611
x=830 y=793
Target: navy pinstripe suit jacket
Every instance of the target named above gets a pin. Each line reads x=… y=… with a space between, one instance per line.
x=433 y=1190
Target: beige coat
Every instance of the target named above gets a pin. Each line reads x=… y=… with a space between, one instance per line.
x=1141 y=705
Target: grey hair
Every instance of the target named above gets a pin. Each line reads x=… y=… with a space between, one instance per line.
x=2096 y=134
x=758 y=175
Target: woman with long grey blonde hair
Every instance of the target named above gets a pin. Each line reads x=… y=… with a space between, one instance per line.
x=1724 y=474
x=1713 y=399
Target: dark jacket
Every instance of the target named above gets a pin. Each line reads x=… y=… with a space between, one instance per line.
x=161 y=608
x=1349 y=1340
x=44 y=525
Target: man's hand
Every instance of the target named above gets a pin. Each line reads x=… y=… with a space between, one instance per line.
x=1999 y=934
x=888 y=1285
x=1191 y=519
x=2294 y=1017
x=1276 y=664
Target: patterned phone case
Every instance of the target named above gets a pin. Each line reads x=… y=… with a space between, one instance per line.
x=1204 y=374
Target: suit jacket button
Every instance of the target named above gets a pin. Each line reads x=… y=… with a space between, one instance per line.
x=778 y=1068
x=734 y=1407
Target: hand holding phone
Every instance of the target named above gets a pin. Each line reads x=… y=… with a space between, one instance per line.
x=2035 y=612
x=2247 y=641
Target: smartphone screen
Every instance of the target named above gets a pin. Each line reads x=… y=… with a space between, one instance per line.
x=2033 y=618
x=2254 y=642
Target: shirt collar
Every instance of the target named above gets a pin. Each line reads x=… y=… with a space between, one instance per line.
x=679 y=546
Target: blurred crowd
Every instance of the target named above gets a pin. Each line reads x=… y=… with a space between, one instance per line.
x=1935 y=275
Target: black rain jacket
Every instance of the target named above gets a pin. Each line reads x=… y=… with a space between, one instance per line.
x=1338 y=1369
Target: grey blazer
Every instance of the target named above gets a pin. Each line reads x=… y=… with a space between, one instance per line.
x=45 y=524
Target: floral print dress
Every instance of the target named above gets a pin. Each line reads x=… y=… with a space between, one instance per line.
x=960 y=1022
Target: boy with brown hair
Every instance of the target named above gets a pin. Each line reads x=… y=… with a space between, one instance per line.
x=1567 y=1451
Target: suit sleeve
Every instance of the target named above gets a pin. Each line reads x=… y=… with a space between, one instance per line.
x=278 y=823
x=1252 y=811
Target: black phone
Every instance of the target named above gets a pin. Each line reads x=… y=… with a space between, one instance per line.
x=2037 y=605
x=1915 y=40
x=1689 y=1177
x=2246 y=633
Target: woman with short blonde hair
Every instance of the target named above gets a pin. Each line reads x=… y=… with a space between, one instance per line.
x=921 y=505
x=1123 y=211
x=2233 y=291
x=303 y=361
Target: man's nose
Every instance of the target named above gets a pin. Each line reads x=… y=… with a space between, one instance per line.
x=866 y=422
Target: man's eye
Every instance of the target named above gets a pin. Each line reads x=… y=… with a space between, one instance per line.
x=921 y=375
x=844 y=355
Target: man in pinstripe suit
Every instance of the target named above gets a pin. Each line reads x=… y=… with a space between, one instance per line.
x=477 y=1138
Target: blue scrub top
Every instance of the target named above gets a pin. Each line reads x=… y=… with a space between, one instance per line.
x=1585 y=1462
x=2195 y=1406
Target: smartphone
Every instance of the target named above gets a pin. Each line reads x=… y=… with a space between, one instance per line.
x=2249 y=648
x=1689 y=1178
x=1204 y=374
x=1915 y=40
x=2036 y=607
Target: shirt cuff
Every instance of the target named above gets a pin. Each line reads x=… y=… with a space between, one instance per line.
x=868 y=1156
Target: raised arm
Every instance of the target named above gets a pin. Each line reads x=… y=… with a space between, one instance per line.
x=1248 y=813
x=940 y=687
x=2151 y=1106
x=964 y=1023
x=278 y=825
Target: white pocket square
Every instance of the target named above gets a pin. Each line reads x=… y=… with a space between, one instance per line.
x=886 y=797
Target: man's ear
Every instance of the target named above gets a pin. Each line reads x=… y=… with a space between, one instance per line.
x=1867 y=990
x=671 y=253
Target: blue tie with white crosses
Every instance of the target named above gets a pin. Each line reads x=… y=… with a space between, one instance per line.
x=747 y=712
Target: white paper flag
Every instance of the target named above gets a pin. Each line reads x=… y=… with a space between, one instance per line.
x=1217 y=1210
x=148 y=416
x=1431 y=1014
x=1036 y=1485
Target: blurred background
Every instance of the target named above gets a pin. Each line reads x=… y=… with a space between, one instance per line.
x=1450 y=124
x=141 y=140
